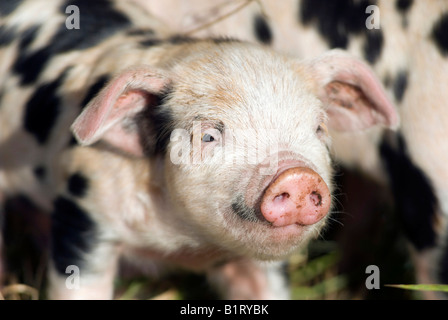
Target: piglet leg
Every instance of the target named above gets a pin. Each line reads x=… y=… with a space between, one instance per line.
x=249 y=280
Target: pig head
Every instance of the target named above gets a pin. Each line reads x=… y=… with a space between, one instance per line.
x=240 y=133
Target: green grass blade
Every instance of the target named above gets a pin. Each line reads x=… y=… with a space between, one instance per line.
x=132 y=291
x=420 y=287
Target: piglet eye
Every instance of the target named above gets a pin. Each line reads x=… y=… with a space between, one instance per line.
x=322 y=130
x=207 y=138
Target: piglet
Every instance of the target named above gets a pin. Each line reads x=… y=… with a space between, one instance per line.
x=213 y=157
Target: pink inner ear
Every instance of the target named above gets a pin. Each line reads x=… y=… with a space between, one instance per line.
x=128 y=103
x=354 y=96
x=349 y=109
x=345 y=94
x=111 y=115
x=122 y=135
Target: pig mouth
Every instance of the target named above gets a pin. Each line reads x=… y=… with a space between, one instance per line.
x=246 y=213
x=267 y=242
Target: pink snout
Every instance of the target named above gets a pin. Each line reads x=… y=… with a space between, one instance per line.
x=297 y=196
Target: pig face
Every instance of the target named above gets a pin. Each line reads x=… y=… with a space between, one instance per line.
x=247 y=165
x=253 y=119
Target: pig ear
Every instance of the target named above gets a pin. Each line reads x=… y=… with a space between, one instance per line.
x=355 y=99
x=112 y=115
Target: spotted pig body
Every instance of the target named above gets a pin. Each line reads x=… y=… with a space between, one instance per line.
x=90 y=124
x=408 y=52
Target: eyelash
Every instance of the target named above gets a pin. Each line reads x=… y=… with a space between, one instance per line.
x=319 y=129
x=322 y=130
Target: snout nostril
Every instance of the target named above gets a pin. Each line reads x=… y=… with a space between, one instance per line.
x=316 y=198
x=282 y=196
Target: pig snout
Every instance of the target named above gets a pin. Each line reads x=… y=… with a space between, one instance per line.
x=298 y=196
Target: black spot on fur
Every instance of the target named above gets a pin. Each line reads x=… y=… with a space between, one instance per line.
x=8 y=6
x=78 y=185
x=155 y=124
x=440 y=34
x=150 y=42
x=329 y=25
x=73 y=234
x=30 y=65
x=162 y=122
x=335 y=19
x=176 y=39
x=25 y=236
x=224 y=40
x=443 y=265
x=242 y=210
x=180 y=39
x=7 y=36
x=40 y=172
x=73 y=142
x=262 y=30
x=27 y=37
x=387 y=81
x=140 y=32
x=98 y=21
x=95 y=89
x=400 y=85
x=373 y=45
x=42 y=109
x=403 y=6
x=414 y=197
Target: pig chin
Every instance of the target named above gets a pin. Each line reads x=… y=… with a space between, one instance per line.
x=260 y=239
